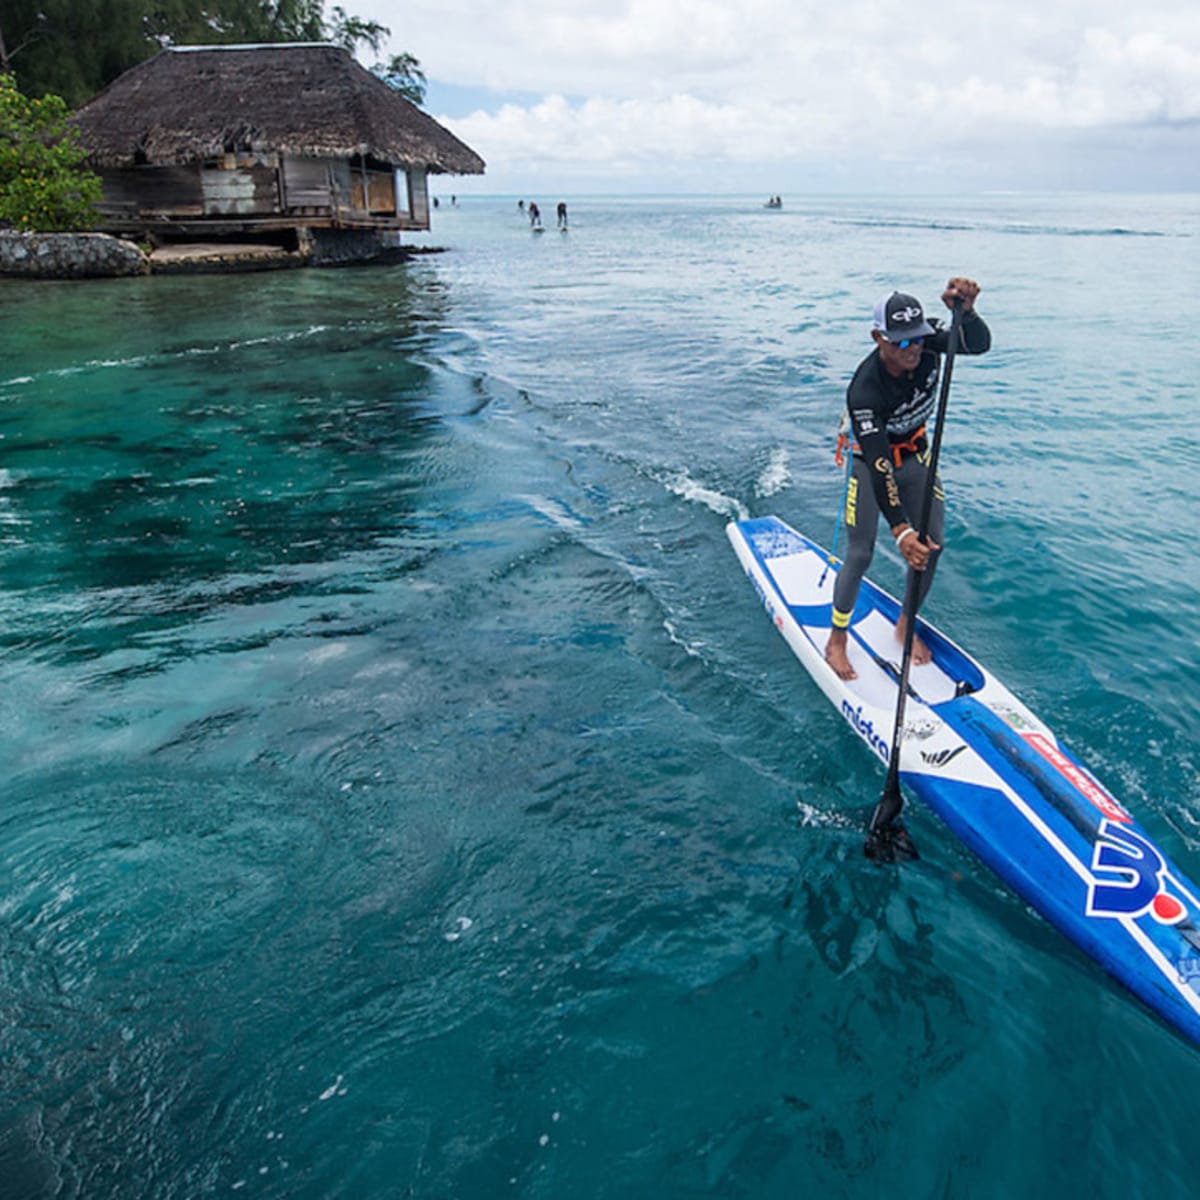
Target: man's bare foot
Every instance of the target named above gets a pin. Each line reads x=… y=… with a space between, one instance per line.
x=836 y=656
x=921 y=653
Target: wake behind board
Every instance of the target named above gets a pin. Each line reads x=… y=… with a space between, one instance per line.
x=997 y=776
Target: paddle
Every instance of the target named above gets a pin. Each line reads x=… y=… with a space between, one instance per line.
x=887 y=839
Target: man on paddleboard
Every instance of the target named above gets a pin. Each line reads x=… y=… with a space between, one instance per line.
x=892 y=395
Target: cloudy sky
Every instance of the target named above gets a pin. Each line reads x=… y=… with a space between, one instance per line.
x=796 y=95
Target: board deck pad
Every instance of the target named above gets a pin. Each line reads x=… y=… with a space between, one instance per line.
x=996 y=775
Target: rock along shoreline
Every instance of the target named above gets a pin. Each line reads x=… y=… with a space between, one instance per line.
x=69 y=256
x=102 y=256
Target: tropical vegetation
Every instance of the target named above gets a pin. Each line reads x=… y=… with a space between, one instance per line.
x=44 y=185
x=73 y=50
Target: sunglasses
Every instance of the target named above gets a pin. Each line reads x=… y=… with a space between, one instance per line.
x=904 y=345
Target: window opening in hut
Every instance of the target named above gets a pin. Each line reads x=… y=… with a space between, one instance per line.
x=400 y=185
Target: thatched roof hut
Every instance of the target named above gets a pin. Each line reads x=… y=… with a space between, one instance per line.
x=310 y=136
x=311 y=100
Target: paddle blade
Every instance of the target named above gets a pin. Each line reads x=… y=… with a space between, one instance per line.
x=890 y=804
x=890 y=844
x=887 y=839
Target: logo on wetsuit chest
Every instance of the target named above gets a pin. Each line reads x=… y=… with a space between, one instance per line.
x=914 y=401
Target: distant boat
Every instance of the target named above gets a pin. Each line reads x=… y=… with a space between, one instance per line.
x=774 y=202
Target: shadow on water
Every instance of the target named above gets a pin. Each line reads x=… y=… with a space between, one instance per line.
x=293 y=425
x=167 y=942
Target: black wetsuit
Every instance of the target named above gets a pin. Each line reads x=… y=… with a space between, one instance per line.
x=888 y=415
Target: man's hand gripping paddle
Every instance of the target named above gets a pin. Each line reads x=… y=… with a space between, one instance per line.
x=887 y=839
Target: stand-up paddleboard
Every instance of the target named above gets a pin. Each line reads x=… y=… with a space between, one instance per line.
x=996 y=775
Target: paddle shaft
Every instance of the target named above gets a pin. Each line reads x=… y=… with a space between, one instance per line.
x=891 y=800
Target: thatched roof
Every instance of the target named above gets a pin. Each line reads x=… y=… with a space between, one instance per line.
x=306 y=99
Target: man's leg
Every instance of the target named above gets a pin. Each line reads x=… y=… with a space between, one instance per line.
x=862 y=520
x=911 y=479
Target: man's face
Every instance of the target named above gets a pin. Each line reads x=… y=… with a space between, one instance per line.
x=897 y=361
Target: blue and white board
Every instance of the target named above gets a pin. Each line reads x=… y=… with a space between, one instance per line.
x=996 y=775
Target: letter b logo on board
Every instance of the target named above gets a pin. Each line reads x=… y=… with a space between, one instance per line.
x=1129 y=876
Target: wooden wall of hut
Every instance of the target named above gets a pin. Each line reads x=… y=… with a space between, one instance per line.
x=241 y=191
x=287 y=190
x=172 y=191
x=307 y=184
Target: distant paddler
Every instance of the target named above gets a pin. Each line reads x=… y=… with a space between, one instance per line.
x=889 y=400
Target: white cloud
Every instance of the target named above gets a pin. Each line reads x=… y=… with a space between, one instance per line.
x=654 y=82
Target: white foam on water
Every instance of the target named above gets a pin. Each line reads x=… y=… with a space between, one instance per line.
x=811 y=817
x=775 y=475
x=8 y=515
x=683 y=485
x=694 y=649
x=461 y=925
x=142 y=360
x=327 y=651
x=554 y=511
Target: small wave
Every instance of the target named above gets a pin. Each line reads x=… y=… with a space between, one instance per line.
x=8 y=515
x=142 y=360
x=999 y=227
x=95 y=364
x=683 y=485
x=692 y=649
x=1116 y=231
x=901 y=223
x=775 y=475
x=554 y=511
x=1078 y=231
x=265 y=340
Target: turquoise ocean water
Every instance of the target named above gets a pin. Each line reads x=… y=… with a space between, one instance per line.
x=405 y=793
